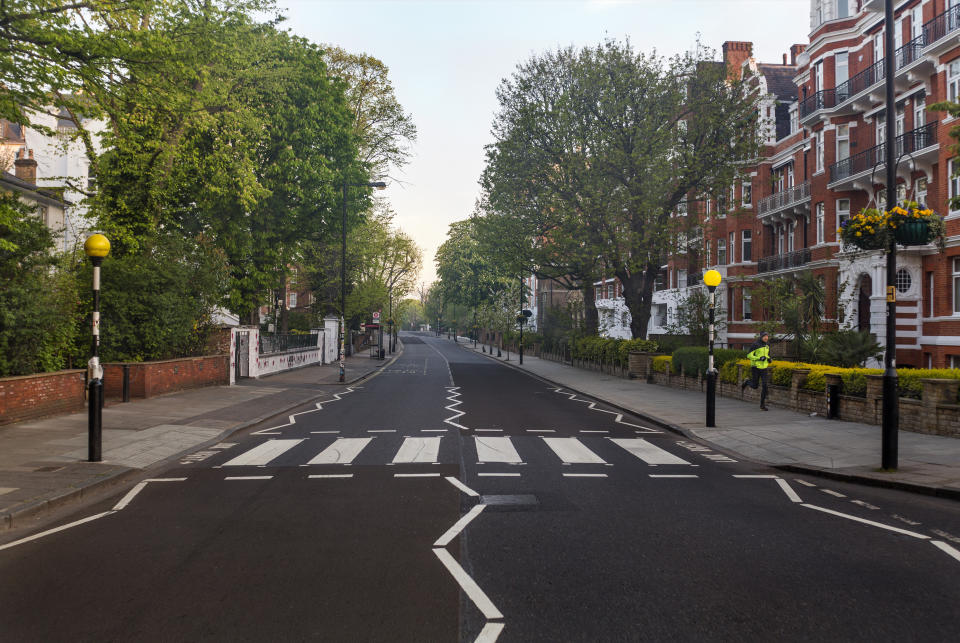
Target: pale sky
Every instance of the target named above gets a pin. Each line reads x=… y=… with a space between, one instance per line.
x=447 y=57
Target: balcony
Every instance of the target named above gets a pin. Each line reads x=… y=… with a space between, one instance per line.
x=782 y=202
x=936 y=31
x=795 y=259
x=854 y=172
x=844 y=98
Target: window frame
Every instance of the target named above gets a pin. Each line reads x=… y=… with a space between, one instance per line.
x=746 y=245
x=821 y=223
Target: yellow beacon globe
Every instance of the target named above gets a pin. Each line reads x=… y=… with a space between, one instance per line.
x=97 y=245
x=711 y=278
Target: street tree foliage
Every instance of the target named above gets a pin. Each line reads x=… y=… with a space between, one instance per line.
x=384 y=131
x=468 y=271
x=596 y=148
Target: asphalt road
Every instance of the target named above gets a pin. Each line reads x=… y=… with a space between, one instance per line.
x=451 y=498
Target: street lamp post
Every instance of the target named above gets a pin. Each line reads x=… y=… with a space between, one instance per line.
x=97 y=247
x=891 y=397
x=522 y=319
x=380 y=185
x=712 y=279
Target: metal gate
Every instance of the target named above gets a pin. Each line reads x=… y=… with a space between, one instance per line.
x=243 y=355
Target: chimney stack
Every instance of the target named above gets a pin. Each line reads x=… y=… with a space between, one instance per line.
x=735 y=53
x=26 y=168
x=795 y=51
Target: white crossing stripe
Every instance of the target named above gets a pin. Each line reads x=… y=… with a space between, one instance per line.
x=418 y=450
x=342 y=451
x=649 y=453
x=572 y=451
x=263 y=454
x=496 y=450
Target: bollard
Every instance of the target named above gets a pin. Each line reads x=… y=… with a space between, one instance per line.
x=126 y=382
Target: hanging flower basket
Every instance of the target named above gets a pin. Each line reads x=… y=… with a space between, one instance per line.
x=908 y=225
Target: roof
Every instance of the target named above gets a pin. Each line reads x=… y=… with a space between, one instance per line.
x=780 y=81
x=41 y=195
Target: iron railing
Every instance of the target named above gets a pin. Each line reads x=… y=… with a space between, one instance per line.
x=830 y=98
x=784 y=199
x=794 y=259
x=939 y=27
x=283 y=342
x=907 y=143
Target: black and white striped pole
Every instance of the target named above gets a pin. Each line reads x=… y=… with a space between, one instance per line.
x=97 y=247
x=712 y=279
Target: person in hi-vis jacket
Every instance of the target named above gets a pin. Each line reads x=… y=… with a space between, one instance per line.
x=759 y=357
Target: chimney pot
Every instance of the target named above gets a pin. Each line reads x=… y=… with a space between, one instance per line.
x=25 y=169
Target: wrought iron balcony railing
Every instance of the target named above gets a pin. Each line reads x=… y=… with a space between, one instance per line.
x=942 y=25
x=784 y=199
x=794 y=259
x=907 y=143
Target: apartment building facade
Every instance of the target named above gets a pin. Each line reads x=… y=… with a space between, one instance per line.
x=823 y=114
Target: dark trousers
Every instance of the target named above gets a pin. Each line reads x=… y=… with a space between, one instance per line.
x=760 y=377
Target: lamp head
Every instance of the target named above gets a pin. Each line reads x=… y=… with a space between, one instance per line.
x=711 y=278
x=97 y=246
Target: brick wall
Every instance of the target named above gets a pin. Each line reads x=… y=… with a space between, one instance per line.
x=149 y=379
x=34 y=396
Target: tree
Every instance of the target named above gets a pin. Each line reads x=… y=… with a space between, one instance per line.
x=603 y=144
x=693 y=316
x=384 y=130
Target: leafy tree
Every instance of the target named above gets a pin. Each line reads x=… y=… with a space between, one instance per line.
x=604 y=143
x=850 y=348
x=38 y=305
x=693 y=316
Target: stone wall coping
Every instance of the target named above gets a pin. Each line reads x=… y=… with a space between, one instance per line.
x=166 y=361
x=295 y=350
x=940 y=380
x=68 y=371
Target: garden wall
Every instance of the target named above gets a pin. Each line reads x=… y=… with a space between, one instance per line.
x=29 y=397
x=149 y=379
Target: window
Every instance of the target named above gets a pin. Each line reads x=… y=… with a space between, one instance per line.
x=818 y=78
x=682 y=209
x=878 y=47
x=706 y=208
x=733 y=247
x=747 y=304
x=904 y=281
x=954 y=184
x=881 y=124
x=916 y=22
x=790 y=176
x=843 y=211
x=818 y=145
x=843 y=8
x=791 y=233
x=780 y=239
x=794 y=119
x=920 y=191
x=898 y=34
x=721 y=252
x=930 y=293
x=955 y=361
x=609 y=291
x=956 y=285
x=841 y=64
x=747 y=193
x=681 y=278
x=44 y=213
x=291 y=300
x=820 y=222
x=919 y=111
x=953 y=80
x=746 y=253
x=843 y=141
x=900 y=119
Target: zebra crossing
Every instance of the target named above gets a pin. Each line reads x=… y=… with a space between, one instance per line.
x=426 y=450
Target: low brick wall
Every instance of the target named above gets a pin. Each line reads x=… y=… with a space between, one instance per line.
x=34 y=396
x=935 y=414
x=149 y=379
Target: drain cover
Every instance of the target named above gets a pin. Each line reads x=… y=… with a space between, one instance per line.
x=514 y=500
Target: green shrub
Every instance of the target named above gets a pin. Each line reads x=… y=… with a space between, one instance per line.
x=662 y=364
x=909 y=379
x=693 y=360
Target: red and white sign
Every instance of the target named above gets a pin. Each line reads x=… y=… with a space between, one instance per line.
x=376 y=317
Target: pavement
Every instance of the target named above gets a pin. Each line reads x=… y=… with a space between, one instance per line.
x=781 y=438
x=43 y=465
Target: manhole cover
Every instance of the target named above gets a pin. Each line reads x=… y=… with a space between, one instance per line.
x=514 y=500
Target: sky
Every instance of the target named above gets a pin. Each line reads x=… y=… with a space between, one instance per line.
x=447 y=57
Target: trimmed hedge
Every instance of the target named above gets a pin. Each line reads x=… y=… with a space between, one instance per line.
x=693 y=360
x=662 y=364
x=609 y=351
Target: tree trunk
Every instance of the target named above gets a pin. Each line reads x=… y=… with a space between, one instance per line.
x=638 y=295
x=590 y=314
x=284 y=325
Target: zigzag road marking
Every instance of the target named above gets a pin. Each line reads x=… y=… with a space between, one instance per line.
x=293 y=418
x=454 y=394
x=592 y=406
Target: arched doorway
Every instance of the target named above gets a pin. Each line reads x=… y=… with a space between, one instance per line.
x=863 y=302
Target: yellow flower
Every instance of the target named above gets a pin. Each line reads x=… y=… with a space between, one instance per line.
x=858 y=233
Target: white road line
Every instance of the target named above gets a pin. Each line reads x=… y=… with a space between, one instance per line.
x=434 y=430
x=584 y=475
x=55 y=530
x=331 y=475
x=490 y=633
x=416 y=475
x=324 y=432
x=939 y=544
x=342 y=451
x=649 y=453
x=654 y=475
x=572 y=451
x=459 y=526
x=584 y=431
x=127 y=499
x=833 y=493
x=418 y=450
x=787 y=489
x=468 y=585
x=496 y=450
x=540 y=431
x=804 y=482
x=382 y=431
x=263 y=454
x=462 y=487
x=758 y=477
x=248 y=478
x=224 y=445
x=864 y=504
x=489 y=430
x=593 y=407
x=498 y=475
x=869 y=522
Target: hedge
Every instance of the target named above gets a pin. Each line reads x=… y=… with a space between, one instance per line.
x=662 y=363
x=693 y=360
x=609 y=351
